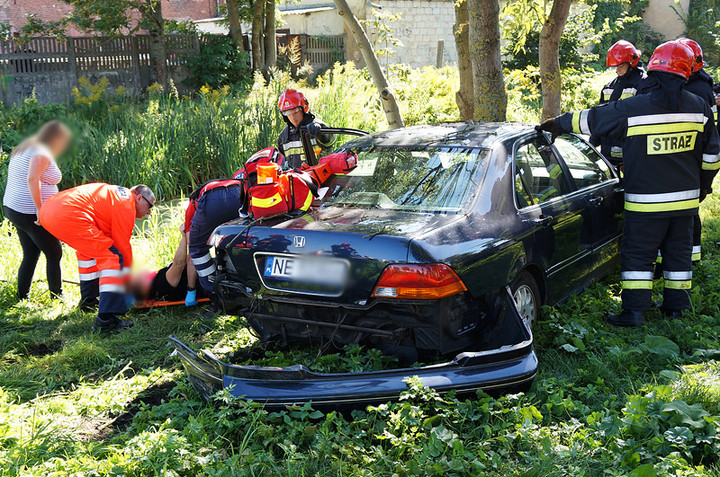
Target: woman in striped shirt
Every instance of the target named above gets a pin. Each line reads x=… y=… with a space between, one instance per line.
x=32 y=177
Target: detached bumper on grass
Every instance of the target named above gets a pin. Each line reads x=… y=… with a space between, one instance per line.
x=509 y=368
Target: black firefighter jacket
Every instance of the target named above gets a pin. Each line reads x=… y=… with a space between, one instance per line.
x=701 y=84
x=290 y=142
x=669 y=155
x=621 y=87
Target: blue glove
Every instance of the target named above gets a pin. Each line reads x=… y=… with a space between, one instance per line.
x=313 y=129
x=129 y=300
x=191 y=298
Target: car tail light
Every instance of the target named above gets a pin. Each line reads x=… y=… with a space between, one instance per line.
x=418 y=282
x=216 y=239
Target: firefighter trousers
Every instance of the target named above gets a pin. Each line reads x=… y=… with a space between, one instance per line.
x=696 y=248
x=697 y=238
x=643 y=236
x=214 y=208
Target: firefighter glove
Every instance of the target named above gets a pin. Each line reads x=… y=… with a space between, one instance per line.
x=550 y=127
x=313 y=129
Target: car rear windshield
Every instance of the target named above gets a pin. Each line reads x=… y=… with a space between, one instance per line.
x=418 y=180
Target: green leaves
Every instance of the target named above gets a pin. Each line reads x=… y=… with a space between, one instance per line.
x=661 y=346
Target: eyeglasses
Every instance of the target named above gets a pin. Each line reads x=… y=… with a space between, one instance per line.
x=289 y=112
x=150 y=204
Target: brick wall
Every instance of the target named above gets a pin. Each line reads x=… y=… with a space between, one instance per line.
x=422 y=23
x=13 y=12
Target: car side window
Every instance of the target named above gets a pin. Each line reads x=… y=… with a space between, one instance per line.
x=586 y=166
x=538 y=174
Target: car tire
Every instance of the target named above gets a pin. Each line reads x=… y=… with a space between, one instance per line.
x=526 y=294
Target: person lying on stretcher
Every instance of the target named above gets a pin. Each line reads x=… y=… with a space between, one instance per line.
x=174 y=283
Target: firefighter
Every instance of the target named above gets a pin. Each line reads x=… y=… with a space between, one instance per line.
x=671 y=150
x=295 y=111
x=701 y=84
x=97 y=220
x=212 y=204
x=625 y=58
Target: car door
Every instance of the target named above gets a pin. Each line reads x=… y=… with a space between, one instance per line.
x=595 y=181
x=560 y=240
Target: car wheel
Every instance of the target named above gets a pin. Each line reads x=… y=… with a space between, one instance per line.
x=527 y=298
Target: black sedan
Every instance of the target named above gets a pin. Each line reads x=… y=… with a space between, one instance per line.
x=445 y=239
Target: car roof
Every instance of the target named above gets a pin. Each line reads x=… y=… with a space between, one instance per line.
x=460 y=134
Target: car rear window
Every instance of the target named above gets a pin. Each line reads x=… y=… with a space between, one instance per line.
x=419 y=180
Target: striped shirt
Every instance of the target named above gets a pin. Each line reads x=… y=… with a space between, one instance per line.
x=17 y=194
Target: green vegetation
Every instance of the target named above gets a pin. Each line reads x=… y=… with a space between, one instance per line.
x=606 y=401
x=175 y=143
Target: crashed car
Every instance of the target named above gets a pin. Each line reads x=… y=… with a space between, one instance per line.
x=444 y=240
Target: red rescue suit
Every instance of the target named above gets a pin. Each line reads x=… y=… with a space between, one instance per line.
x=97 y=221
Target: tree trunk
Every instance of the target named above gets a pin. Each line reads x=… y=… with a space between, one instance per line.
x=550 y=79
x=233 y=16
x=464 y=96
x=270 y=40
x=152 y=13
x=258 y=29
x=490 y=100
x=387 y=97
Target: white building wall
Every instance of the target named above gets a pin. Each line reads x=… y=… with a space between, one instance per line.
x=662 y=17
x=422 y=23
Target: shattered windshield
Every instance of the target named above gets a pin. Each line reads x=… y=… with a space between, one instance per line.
x=418 y=180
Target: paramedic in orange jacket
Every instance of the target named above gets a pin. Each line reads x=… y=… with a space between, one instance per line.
x=97 y=220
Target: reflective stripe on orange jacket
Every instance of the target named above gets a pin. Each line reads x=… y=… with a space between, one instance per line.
x=79 y=216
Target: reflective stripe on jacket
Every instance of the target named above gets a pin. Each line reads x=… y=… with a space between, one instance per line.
x=670 y=156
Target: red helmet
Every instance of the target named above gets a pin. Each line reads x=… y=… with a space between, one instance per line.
x=697 y=52
x=623 y=52
x=291 y=99
x=673 y=57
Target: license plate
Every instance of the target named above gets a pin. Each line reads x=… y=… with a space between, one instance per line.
x=307 y=270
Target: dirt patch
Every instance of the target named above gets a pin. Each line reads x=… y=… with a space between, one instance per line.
x=154 y=395
x=94 y=430
x=43 y=349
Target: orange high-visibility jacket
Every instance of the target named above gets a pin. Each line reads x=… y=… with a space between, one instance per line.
x=73 y=213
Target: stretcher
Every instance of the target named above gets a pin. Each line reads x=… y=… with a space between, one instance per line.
x=145 y=304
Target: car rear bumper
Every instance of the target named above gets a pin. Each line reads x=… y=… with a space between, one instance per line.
x=509 y=368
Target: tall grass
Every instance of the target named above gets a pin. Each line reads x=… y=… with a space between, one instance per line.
x=174 y=144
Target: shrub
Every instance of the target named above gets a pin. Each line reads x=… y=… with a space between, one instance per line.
x=701 y=24
x=219 y=63
x=624 y=23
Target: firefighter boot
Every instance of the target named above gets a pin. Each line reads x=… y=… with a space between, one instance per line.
x=110 y=323
x=628 y=318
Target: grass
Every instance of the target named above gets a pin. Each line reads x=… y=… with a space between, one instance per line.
x=605 y=402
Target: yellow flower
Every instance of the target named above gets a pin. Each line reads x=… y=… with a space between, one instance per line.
x=155 y=88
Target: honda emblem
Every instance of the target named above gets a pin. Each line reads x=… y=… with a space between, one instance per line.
x=299 y=241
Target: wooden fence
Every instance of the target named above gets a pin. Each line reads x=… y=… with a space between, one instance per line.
x=321 y=52
x=51 y=67
x=89 y=54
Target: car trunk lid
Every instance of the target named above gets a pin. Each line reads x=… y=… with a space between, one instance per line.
x=335 y=253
